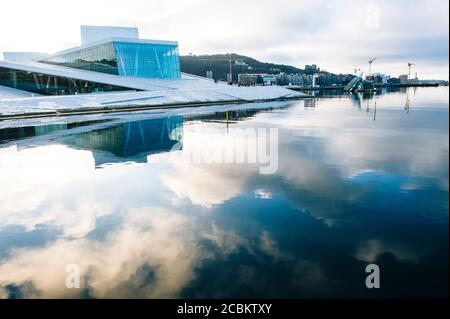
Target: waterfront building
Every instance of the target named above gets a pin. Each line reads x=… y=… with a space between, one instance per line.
x=269 y=79
x=106 y=57
x=296 y=79
x=404 y=79
x=247 y=79
x=257 y=79
x=113 y=68
x=283 y=79
x=378 y=78
x=394 y=81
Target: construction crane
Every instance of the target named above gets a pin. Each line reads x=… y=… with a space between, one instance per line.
x=370 y=65
x=409 y=69
x=229 y=60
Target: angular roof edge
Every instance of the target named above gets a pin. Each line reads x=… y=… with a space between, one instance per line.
x=97 y=43
x=145 y=84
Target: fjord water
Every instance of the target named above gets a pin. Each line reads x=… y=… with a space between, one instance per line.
x=361 y=180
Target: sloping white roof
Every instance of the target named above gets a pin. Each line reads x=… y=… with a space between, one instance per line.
x=9 y=93
x=144 y=84
x=221 y=93
x=24 y=56
x=157 y=92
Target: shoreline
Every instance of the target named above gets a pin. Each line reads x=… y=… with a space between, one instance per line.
x=134 y=108
x=381 y=86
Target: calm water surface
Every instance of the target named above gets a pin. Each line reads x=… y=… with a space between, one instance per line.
x=360 y=180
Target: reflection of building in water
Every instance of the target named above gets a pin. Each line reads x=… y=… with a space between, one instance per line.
x=358 y=98
x=368 y=95
x=130 y=141
x=310 y=102
x=15 y=133
x=232 y=115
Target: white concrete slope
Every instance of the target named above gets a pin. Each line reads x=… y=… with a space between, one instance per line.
x=9 y=93
x=152 y=92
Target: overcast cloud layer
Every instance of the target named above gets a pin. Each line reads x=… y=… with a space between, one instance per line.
x=335 y=34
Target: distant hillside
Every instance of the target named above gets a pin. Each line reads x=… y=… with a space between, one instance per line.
x=219 y=64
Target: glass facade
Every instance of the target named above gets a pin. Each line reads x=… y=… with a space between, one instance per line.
x=144 y=60
x=148 y=60
x=101 y=58
x=51 y=85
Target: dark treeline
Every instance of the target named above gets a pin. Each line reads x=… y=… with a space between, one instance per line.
x=219 y=65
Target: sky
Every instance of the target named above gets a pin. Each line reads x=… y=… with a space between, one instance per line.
x=337 y=35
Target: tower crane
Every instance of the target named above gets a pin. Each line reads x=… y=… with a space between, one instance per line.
x=230 y=63
x=370 y=65
x=409 y=69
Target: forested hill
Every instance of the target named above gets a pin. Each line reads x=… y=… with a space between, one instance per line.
x=219 y=64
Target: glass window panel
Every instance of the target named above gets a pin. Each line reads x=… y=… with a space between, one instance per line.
x=145 y=60
x=51 y=85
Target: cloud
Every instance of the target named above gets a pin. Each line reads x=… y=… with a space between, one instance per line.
x=154 y=253
x=321 y=158
x=334 y=34
x=370 y=250
x=111 y=263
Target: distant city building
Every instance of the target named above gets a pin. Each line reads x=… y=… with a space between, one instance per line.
x=296 y=79
x=404 y=79
x=379 y=78
x=394 y=81
x=269 y=79
x=307 y=79
x=247 y=79
x=283 y=79
x=257 y=79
